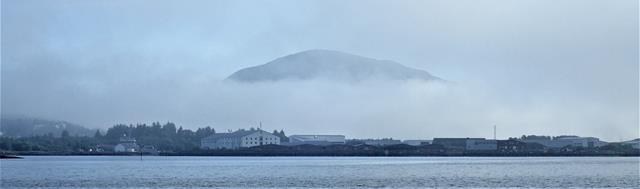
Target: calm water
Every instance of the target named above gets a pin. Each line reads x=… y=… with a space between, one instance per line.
x=320 y=172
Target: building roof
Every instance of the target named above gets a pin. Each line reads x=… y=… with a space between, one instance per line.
x=329 y=138
x=236 y=134
x=575 y=137
x=126 y=139
x=637 y=140
x=459 y=139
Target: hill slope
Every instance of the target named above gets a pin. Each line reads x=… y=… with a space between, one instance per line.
x=18 y=126
x=327 y=64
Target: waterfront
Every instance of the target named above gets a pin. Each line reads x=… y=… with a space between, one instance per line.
x=319 y=172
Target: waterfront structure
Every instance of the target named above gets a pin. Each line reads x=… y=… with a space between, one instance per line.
x=105 y=148
x=481 y=145
x=417 y=142
x=320 y=140
x=381 y=142
x=635 y=143
x=516 y=146
x=471 y=144
x=563 y=141
x=452 y=143
x=149 y=149
x=239 y=139
x=127 y=144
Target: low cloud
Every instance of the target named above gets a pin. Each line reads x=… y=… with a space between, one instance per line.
x=368 y=109
x=543 y=67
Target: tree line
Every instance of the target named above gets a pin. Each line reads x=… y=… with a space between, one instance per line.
x=164 y=137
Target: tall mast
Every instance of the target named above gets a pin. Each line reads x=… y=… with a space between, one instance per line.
x=494 y=132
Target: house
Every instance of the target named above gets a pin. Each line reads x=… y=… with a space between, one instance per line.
x=126 y=147
x=127 y=144
x=239 y=139
x=320 y=140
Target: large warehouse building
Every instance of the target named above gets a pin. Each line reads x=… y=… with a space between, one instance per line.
x=239 y=139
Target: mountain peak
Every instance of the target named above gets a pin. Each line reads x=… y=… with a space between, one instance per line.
x=328 y=64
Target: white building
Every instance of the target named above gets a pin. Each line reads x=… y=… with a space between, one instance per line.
x=416 y=142
x=563 y=141
x=321 y=140
x=239 y=139
x=127 y=144
x=126 y=147
x=587 y=142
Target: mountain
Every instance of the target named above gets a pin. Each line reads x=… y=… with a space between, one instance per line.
x=21 y=126
x=332 y=65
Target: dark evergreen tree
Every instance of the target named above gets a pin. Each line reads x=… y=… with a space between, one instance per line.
x=169 y=129
x=98 y=134
x=65 y=134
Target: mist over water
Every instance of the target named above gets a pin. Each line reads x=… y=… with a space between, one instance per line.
x=413 y=109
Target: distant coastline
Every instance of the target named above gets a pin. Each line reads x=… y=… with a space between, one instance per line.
x=171 y=140
x=344 y=150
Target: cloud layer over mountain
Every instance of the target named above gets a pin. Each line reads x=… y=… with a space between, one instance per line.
x=529 y=67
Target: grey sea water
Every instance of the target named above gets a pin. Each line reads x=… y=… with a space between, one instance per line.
x=319 y=172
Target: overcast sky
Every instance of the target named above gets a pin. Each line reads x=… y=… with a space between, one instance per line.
x=530 y=67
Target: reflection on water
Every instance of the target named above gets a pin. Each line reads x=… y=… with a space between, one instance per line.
x=320 y=172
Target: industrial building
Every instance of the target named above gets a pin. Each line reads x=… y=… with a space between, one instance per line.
x=635 y=143
x=563 y=141
x=469 y=144
x=481 y=145
x=381 y=142
x=320 y=140
x=417 y=142
x=239 y=139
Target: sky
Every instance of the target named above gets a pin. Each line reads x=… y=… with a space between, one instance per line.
x=529 y=67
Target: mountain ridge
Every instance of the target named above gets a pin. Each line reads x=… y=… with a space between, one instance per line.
x=329 y=64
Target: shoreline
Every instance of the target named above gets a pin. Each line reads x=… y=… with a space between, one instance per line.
x=20 y=154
